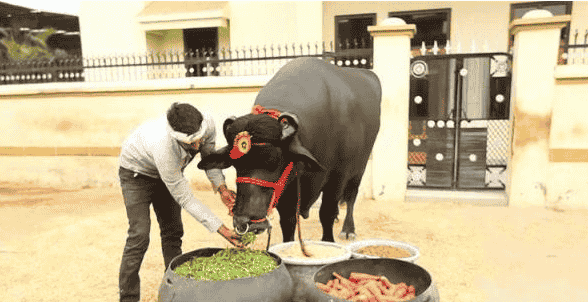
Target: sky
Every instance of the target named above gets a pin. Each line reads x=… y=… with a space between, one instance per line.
x=69 y=7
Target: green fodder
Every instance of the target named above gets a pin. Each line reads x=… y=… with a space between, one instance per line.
x=228 y=264
x=248 y=238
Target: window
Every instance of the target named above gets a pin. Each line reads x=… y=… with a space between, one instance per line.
x=201 y=43
x=351 y=31
x=354 y=45
x=432 y=25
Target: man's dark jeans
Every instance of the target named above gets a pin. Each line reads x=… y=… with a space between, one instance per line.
x=139 y=193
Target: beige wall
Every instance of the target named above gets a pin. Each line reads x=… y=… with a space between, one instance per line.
x=569 y=126
x=579 y=19
x=568 y=168
x=266 y=22
x=250 y=24
x=40 y=125
x=470 y=20
x=109 y=27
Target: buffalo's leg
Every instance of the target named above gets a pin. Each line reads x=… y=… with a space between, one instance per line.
x=349 y=197
x=287 y=222
x=327 y=214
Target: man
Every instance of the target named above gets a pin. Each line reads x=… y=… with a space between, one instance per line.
x=152 y=162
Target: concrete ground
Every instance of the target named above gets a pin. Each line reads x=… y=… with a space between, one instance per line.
x=60 y=245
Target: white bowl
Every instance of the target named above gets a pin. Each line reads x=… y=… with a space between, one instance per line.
x=355 y=246
x=278 y=248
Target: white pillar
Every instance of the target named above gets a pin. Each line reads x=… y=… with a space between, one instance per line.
x=537 y=36
x=392 y=64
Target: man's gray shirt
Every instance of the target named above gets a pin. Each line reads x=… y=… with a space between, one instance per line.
x=152 y=151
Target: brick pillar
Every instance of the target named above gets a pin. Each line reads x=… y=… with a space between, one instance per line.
x=537 y=36
x=392 y=64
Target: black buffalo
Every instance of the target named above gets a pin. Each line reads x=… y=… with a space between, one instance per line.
x=324 y=120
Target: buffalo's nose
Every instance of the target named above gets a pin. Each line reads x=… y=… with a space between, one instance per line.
x=241 y=223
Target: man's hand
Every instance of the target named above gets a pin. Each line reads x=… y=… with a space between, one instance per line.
x=228 y=197
x=231 y=236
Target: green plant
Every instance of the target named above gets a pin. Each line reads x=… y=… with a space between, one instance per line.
x=248 y=238
x=228 y=264
x=27 y=46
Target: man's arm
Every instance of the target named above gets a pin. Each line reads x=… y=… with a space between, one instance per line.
x=167 y=160
x=207 y=147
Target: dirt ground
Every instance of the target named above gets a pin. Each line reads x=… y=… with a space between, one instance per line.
x=66 y=245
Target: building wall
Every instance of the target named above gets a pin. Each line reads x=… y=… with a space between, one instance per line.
x=109 y=27
x=470 y=20
x=254 y=23
x=267 y=22
x=568 y=167
x=251 y=23
x=70 y=135
x=579 y=19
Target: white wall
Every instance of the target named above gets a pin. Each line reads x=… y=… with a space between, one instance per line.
x=470 y=20
x=263 y=23
x=109 y=27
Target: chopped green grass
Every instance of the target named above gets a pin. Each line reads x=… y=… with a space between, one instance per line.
x=228 y=264
x=248 y=238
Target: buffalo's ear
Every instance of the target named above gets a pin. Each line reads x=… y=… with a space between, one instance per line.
x=226 y=126
x=289 y=124
x=217 y=160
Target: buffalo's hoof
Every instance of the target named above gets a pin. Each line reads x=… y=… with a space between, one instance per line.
x=347 y=236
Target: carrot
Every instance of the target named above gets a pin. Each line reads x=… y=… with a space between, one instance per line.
x=359 y=298
x=363 y=282
x=361 y=287
x=344 y=293
x=386 y=282
x=339 y=276
x=365 y=292
x=336 y=283
x=346 y=283
x=363 y=276
x=330 y=283
x=382 y=287
x=400 y=290
x=373 y=287
x=323 y=287
x=337 y=294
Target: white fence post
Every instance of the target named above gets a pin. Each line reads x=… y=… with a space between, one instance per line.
x=536 y=46
x=392 y=64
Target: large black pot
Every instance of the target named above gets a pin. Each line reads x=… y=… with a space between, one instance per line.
x=273 y=286
x=396 y=271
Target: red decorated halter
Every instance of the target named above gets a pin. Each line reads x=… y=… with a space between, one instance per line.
x=278 y=187
x=242 y=145
x=258 y=109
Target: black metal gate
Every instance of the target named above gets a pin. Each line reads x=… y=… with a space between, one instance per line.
x=459 y=121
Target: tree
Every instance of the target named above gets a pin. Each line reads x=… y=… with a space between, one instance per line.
x=21 y=46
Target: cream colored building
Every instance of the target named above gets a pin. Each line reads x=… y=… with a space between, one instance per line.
x=125 y=27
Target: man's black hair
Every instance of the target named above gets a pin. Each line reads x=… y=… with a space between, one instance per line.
x=184 y=118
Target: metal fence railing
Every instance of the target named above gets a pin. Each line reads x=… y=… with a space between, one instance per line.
x=168 y=65
x=576 y=52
